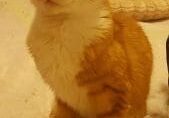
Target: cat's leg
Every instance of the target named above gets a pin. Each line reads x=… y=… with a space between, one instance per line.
x=107 y=99
x=107 y=84
x=108 y=105
x=61 y=110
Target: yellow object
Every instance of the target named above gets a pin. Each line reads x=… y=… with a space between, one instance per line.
x=142 y=9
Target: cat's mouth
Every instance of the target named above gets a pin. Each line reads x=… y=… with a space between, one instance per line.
x=44 y=2
x=58 y=2
x=51 y=2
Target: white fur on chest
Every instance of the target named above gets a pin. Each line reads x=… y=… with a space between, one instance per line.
x=65 y=82
x=69 y=55
x=59 y=61
x=58 y=44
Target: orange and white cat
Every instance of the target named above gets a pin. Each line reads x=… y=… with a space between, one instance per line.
x=98 y=63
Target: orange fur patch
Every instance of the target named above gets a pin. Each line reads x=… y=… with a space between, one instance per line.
x=116 y=71
x=97 y=64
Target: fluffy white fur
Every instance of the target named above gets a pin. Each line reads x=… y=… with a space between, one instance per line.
x=73 y=36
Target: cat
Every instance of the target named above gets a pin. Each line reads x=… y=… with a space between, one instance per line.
x=98 y=63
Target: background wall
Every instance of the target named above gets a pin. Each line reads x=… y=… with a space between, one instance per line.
x=22 y=92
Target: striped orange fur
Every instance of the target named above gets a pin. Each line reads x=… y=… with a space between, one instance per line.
x=97 y=63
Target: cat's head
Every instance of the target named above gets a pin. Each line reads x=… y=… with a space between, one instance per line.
x=52 y=2
x=57 y=6
x=51 y=6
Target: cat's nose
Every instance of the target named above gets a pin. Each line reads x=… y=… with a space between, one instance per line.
x=61 y=2
x=42 y=0
x=54 y=1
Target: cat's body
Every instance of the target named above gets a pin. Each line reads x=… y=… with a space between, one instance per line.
x=98 y=63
